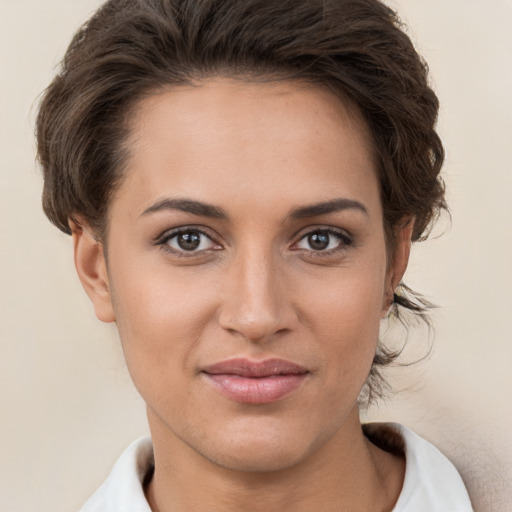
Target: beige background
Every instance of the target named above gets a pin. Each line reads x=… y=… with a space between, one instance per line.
x=67 y=405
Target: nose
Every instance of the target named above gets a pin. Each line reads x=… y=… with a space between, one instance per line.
x=257 y=303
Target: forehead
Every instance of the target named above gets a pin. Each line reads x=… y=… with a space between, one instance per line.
x=230 y=141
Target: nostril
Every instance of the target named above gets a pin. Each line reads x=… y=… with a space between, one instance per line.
x=256 y=330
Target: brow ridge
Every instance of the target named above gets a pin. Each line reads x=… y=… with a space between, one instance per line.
x=326 y=207
x=211 y=211
x=186 y=205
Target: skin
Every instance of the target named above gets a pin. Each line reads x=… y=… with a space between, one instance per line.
x=255 y=288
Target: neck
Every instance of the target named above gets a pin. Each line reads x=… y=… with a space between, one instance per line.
x=346 y=473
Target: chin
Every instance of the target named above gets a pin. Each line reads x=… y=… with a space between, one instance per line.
x=259 y=458
x=261 y=448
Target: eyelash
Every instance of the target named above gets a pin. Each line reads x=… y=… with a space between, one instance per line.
x=345 y=242
x=163 y=241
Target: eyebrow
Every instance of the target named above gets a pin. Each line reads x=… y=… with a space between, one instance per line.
x=332 y=206
x=187 y=205
x=214 y=212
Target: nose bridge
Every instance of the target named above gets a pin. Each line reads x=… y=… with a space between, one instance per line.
x=256 y=305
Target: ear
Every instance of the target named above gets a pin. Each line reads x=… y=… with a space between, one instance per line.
x=92 y=270
x=398 y=265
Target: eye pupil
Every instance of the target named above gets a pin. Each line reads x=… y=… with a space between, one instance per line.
x=189 y=241
x=318 y=241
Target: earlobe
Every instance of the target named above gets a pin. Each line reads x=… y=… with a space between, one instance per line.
x=398 y=266
x=92 y=270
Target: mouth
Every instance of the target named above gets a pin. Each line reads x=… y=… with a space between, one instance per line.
x=255 y=382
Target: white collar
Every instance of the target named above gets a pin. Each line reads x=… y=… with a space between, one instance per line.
x=432 y=484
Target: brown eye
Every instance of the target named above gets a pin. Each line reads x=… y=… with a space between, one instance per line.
x=189 y=240
x=318 y=241
x=324 y=240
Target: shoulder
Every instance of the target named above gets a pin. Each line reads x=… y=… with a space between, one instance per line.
x=432 y=483
x=124 y=487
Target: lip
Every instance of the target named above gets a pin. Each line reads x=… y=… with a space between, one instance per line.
x=255 y=382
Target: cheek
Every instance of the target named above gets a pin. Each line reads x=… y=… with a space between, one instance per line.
x=160 y=318
x=344 y=315
x=348 y=298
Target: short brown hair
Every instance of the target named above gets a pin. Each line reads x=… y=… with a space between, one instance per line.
x=357 y=48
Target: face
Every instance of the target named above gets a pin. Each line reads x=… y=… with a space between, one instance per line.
x=247 y=269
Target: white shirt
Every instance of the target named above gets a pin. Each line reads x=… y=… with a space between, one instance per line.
x=432 y=484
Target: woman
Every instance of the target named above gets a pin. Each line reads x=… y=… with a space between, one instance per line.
x=242 y=181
